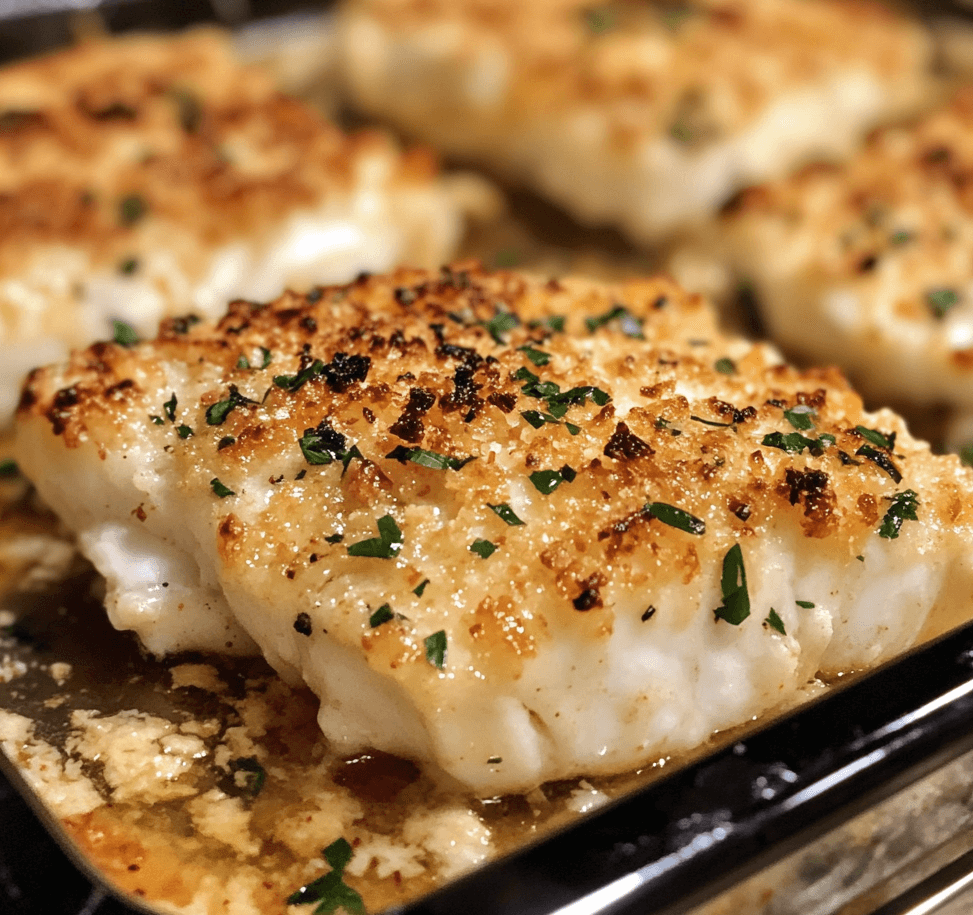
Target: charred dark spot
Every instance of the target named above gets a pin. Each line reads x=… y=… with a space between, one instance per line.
x=328 y=438
x=313 y=558
x=740 y=509
x=660 y=302
x=590 y=596
x=440 y=332
x=938 y=155
x=302 y=624
x=649 y=613
x=409 y=425
x=464 y=354
x=289 y=574
x=722 y=408
x=625 y=445
x=60 y=410
x=404 y=296
x=314 y=296
x=17 y=119
x=464 y=394
x=867 y=263
x=344 y=370
x=309 y=324
x=503 y=402
x=810 y=487
x=114 y=111
x=122 y=385
x=368 y=414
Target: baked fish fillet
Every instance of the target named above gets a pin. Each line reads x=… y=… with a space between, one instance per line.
x=646 y=115
x=865 y=265
x=515 y=529
x=143 y=175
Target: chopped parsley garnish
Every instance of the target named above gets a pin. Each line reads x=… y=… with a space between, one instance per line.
x=662 y=423
x=546 y=481
x=184 y=431
x=494 y=760
x=131 y=209
x=158 y=420
x=733 y=586
x=725 y=366
x=334 y=538
x=420 y=588
x=483 y=548
x=903 y=508
x=553 y=323
x=382 y=615
x=806 y=604
x=217 y=413
x=9 y=469
x=537 y=419
x=900 y=238
x=124 y=334
x=385 y=546
x=330 y=892
x=225 y=442
x=800 y=417
x=629 y=325
x=505 y=513
x=430 y=459
x=501 y=323
x=324 y=445
x=220 y=489
x=775 y=622
x=882 y=460
x=879 y=439
x=248 y=775
x=538 y=357
x=436 y=648
x=292 y=382
x=265 y=357
x=676 y=517
x=795 y=443
x=558 y=401
x=940 y=301
x=710 y=422
x=128 y=266
x=169 y=407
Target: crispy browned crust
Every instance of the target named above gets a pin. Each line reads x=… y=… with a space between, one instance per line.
x=99 y=140
x=693 y=68
x=410 y=361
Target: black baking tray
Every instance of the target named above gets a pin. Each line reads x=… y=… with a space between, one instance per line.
x=662 y=849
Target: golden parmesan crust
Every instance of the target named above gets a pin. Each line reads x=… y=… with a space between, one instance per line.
x=408 y=361
x=698 y=70
x=904 y=202
x=102 y=140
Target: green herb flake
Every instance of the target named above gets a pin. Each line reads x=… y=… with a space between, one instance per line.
x=334 y=538
x=900 y=238
x=225 y=442
x=292 y=383
x=420 y=588
x=546 y=481
x=676 y=517
x=188 y=109
x=572 y=428
x=248 y=775
x=483 y=548
x=220 y=489
x=131 y=209
x=9 y=469
x=879 y=439
x=733 y=587
x=725 y=366
x=860 y=558
x=243 y=362
x=903 y=508
x=792 y=443
x=330 y=892
x=385 y=546
x=128 y=266
x=436 y=648
x=158 y=420
x=538 y=357
x=800 y=417
x=217 y=413
x=881 y=459
x=505 y=513
x=502 y=322
x=775 y=622
x=554 y=323
x=940 y=301
x=382 y=615
x=184 y=431
x=124 y=334
x=169 y=407
x=806 y=604
x=430 y=459
x=494 y=760
x=629 y=325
